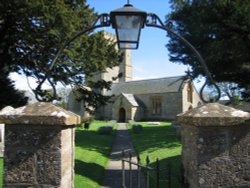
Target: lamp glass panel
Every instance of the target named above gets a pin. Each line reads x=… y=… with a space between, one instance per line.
x=128 y=27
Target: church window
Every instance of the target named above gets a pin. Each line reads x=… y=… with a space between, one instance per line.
x=156 y=105
x=190 y=93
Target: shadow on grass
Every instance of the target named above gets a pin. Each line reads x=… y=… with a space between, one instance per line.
x=160 y=142
x=92 y=141
x=89 y=170
x=92 y=153
x=170 y=165
x=153 y=138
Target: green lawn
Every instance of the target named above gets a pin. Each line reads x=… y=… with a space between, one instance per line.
x=91 y=155
x=159 y=141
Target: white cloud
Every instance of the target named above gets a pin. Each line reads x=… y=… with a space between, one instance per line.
x=22 y=82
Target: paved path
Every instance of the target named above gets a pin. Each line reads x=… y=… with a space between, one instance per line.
x=113 y=172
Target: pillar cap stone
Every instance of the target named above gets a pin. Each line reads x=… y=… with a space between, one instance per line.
x=39 y=113
x=213 y=114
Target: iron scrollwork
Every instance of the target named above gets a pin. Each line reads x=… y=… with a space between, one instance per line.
x=103 y=20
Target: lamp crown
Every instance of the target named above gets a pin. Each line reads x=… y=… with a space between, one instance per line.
x=128 y=5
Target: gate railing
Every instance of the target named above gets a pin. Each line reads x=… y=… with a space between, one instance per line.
x=135 y=176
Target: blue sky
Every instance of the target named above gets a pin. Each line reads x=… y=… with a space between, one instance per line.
x=151 y=60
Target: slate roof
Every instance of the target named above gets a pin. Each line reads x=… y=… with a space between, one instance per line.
x=159 y=85
x=131 y=99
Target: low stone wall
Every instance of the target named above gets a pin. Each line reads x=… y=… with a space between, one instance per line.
x=216 y=146
x=39 y=146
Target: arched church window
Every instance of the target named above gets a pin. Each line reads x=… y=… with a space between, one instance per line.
x=190 y=93
x=156 y=105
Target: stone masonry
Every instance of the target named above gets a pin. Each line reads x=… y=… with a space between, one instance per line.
x=39 y=146
x=216 y=147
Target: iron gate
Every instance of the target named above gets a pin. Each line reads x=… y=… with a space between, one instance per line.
x=137 y=175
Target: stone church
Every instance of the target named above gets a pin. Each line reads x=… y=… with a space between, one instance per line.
x=151 y=99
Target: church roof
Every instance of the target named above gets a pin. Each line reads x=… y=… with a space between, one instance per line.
x=159 y=85
x=131 y=99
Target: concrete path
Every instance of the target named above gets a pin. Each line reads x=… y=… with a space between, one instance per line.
x=113 y=172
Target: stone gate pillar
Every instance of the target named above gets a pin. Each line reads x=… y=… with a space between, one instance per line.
x=39 y=146
x=216 y=146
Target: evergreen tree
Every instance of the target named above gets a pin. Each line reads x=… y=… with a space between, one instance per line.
x=9 y=96
x=32 y=31
x=219 y=30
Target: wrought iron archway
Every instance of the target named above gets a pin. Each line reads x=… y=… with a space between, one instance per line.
x=103 y=20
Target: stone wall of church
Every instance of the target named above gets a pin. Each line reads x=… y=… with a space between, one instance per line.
x=76 y=106
x=171 y=105
x=104 y=112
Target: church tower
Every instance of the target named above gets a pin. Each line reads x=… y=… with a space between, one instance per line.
x=126 y=67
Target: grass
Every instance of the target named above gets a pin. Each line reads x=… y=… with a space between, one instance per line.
x=91 y=155
x=159 y=141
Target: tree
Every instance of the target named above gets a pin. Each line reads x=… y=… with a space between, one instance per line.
x=230 y=90
x=219 y=30
x=32 y=31
x=9 y=96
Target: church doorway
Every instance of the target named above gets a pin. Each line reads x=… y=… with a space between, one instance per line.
x=122 y=115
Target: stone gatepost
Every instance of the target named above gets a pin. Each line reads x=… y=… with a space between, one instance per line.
x=39 y=146
x=216 y=146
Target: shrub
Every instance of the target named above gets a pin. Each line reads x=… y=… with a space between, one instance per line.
x=85 y=122
x=131 y=122
x=86 y=125
x=105 y=130
x=137 y=128
x=112 y=123
x=89 y=119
